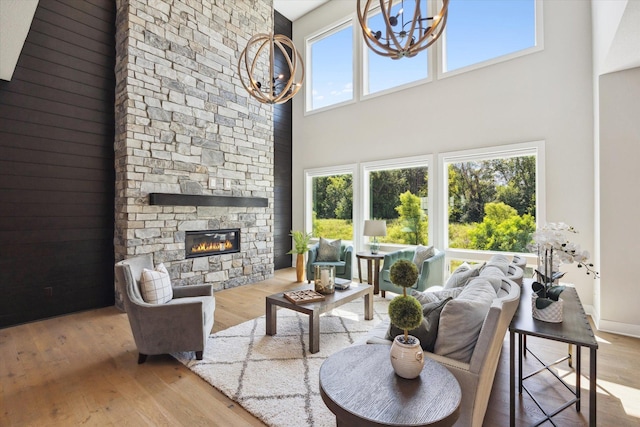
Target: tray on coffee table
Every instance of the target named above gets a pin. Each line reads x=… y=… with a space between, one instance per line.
x=303 y=296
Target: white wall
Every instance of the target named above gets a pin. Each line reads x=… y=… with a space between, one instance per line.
x=15 y=21
x=543 y=96
x=619 y=201
x=616 y=41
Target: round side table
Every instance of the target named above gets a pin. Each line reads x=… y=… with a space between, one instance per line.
x=373 y=269
x=359 y=386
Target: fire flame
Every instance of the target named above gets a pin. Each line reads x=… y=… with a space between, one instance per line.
x=211 y=247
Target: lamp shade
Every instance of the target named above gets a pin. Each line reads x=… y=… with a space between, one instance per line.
x=375 y=227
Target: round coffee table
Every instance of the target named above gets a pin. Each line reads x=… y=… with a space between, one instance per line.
x=359 y=386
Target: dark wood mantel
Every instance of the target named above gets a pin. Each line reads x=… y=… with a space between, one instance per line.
x=167 y=199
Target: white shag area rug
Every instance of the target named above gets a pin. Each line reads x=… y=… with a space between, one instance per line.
x=275 y=377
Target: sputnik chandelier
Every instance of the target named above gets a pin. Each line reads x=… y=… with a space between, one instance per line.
x=401 y=34
x=256 y=68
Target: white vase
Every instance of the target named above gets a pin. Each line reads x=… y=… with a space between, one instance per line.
x=407 y=359
x=551 y=314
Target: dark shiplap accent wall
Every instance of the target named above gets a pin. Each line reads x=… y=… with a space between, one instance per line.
x=56 y=165
x=282 y=166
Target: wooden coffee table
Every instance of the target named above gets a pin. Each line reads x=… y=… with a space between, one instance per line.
x=315 y=309
x=359 y=386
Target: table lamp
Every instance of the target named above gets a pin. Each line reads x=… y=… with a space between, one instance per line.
x=374 y=228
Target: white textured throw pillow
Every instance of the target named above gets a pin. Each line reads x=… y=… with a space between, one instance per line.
x=155 y=285
x=422 y=253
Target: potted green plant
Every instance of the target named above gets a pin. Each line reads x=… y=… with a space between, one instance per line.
x=405 y=312
x=301 y=242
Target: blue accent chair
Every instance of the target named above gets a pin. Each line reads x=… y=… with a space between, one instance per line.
x=343 y=266
x=432 y=271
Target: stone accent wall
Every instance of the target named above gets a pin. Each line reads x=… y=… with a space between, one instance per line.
x=184 y=119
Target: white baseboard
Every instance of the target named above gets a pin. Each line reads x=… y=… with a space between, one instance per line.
x=619 y=328
x=612 y=327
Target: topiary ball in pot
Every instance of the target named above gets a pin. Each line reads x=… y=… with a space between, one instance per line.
x=404 y=273
x=405 y=312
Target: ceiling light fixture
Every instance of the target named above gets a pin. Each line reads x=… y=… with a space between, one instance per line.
x=401 y=37
x=256 y=68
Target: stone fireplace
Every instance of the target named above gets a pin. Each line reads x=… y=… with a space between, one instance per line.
x=193 y=151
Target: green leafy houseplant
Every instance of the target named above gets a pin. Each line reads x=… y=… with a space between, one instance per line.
x=301 y=242
x=300 y=247
x=405 y=311
x=554 y=249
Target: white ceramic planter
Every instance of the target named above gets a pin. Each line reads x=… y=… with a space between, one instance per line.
x=551 y=314
x=407 y=359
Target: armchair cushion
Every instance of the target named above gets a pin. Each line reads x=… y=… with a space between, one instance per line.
x=422 y=253
x=329 y=251
x=155 y=285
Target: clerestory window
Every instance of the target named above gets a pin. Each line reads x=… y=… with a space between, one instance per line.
x=330 y=67
x=480 y=33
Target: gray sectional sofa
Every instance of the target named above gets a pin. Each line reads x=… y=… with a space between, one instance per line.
x=471 y=332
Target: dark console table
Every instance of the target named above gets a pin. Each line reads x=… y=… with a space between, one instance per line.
x=573 y=330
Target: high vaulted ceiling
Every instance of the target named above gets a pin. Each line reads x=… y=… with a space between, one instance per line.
x=294 y=9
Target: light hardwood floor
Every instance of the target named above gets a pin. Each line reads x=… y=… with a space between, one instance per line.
x=82 y=369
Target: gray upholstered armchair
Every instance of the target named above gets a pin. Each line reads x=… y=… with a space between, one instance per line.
x=432 y=273
x=343 y=265
x=182 y=324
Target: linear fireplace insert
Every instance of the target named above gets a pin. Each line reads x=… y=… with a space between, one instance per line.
x=211 y=242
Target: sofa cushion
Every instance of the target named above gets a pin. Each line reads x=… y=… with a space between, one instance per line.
x=155 y=285
x=498 y=261
x=461 y=321
x=422 y=253
x=329 y=251
x=461 y=276
x=431 y=296
x=428 y=329
x=494 y=280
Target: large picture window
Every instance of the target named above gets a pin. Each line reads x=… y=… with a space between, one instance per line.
x=492 y=198
x=480 y=201
x=330 y=69
x=330 y=195
x=398 y=193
